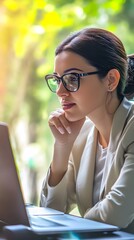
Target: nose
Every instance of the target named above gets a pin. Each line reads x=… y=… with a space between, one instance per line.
x=62 y=91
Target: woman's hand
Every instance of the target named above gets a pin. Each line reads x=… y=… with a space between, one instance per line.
x=64 y=131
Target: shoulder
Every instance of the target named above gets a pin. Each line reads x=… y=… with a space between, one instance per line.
x=128 y=129
x=123 y=115
x=128 y=133
x=132 y=108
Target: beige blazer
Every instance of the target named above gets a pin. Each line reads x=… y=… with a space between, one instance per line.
x=116 y=200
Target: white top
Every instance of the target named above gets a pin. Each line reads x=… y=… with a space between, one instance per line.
x=100 y=161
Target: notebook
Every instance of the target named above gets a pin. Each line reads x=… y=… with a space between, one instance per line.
x=13 y=210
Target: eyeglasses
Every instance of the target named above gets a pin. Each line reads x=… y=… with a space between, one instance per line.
x=71 y=81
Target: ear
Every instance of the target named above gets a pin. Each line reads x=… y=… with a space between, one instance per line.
x=113 y=78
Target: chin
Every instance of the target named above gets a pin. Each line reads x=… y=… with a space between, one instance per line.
x=72 y=118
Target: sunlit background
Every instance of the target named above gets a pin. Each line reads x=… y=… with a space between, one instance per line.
x=29 y=33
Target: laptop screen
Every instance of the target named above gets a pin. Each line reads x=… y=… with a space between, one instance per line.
x=12 y=208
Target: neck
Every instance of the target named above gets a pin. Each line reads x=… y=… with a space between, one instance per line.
x=103 y=119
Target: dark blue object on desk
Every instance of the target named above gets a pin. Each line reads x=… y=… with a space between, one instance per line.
x=21 y=232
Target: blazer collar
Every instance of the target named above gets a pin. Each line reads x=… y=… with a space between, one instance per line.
x=119 y=121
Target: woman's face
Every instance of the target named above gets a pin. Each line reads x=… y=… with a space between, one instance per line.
x=91 y=95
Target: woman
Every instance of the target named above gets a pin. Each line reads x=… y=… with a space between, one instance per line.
x=93 y=159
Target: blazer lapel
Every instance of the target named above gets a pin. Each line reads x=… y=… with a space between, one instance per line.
x=118 y=126
x=86 y=172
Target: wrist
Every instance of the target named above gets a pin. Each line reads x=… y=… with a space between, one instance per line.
x=55 y=176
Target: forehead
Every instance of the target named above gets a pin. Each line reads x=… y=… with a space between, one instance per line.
x=68 y=60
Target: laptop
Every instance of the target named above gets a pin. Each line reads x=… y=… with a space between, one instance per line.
x=13 y=210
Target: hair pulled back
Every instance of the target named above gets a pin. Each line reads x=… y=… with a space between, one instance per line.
x=129 y=89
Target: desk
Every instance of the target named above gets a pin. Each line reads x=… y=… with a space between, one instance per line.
x=104 y=236
x=92 y=236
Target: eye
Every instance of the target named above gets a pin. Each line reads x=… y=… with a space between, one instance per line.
x=56 y=80
x=70 y=78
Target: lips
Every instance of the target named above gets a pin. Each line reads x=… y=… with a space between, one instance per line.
x=67 y=106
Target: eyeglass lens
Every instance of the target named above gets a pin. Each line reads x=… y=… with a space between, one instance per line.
x=70 y=82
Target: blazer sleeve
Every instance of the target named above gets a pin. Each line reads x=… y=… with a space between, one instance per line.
x=62 y=197
x=117 y=207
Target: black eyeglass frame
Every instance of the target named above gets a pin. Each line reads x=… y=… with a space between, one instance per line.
x=78 y=75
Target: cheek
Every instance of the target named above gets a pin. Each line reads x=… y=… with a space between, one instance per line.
x=89 y=92
x=92 y=95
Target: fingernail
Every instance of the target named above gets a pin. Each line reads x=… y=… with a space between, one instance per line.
x=68 y=130
x=61 y=130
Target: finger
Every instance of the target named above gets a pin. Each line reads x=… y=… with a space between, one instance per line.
x=65 y=123
x=60 y=123
x=54 y=120
x=57 y=118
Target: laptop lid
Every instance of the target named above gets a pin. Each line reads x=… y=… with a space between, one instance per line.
x=42 y=220
x=12 y=208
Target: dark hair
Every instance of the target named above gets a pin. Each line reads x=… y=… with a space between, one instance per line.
x=102 y=49
x=129 y=89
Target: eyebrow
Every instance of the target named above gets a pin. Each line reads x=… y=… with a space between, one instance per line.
x=70 y=69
